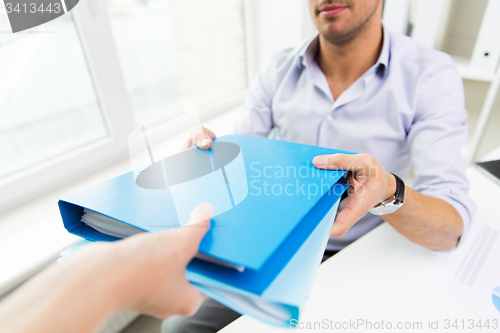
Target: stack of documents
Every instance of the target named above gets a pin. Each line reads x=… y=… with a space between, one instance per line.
x=273 y=214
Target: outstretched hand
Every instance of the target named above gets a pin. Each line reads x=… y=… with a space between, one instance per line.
x=153 y=267
x=369 y=184
x=145 y=272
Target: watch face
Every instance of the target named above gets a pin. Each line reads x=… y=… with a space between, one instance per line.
x=386 y=208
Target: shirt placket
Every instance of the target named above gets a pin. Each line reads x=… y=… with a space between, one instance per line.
x=352 y=93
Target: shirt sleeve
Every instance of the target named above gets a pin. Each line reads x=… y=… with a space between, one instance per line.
x=256 y=117
x=435 y=139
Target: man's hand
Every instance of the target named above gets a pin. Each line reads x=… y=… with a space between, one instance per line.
x=369 y=184
x=145 y=272
x=425 y=220
x=153 y=267
x=201 y=137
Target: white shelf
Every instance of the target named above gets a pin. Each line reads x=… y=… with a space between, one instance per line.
x=463 y=66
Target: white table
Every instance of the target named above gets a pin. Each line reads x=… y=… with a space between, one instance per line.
x=383 y=277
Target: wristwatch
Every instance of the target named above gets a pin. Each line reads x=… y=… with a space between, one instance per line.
x=393 y=204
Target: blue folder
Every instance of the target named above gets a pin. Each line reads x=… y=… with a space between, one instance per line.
x=273 y=213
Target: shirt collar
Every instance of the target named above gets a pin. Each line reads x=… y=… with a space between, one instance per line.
x=308 y=52
x=385 y=54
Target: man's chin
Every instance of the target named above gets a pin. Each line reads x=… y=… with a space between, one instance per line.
x=335 y=36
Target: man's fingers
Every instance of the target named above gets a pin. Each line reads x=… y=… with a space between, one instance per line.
x=208 y=132
x=352 y=209
x=202 y=137
x=354 y=163
x=184 y=300
x=200 y=217
x=198 y=137
x=191 y=300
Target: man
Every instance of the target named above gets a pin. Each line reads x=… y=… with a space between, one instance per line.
x=145 y=272
x=358 y=87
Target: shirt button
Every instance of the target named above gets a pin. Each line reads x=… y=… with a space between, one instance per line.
x=329 y=117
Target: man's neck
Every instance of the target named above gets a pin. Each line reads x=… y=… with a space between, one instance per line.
x=344 y=63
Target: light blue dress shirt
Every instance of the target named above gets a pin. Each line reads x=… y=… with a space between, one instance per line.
x=407 y=110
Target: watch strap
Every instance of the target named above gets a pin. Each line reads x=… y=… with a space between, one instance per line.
x=400 y=189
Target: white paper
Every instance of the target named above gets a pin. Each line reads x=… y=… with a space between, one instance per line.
x=471 y=274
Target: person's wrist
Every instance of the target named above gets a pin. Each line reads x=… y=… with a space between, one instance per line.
x=127 y=271
x=123 y=288
x=99 y=265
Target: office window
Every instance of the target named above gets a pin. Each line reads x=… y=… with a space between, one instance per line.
x=48 y=105
x=171 y=53
x=177 y=52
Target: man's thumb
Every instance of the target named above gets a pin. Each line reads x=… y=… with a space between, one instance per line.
x=199 y=223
